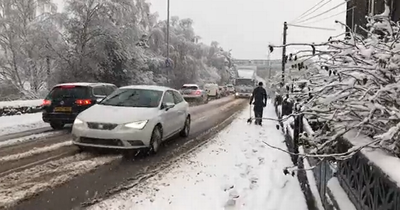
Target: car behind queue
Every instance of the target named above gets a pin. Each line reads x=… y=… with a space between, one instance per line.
x=133 y=118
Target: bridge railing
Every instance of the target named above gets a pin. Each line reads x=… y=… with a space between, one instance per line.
x=370 y=178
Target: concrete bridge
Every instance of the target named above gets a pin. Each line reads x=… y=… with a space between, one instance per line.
x=265 y=68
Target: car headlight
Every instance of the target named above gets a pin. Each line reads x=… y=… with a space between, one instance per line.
x=137 y=125
x=78 y=121
x=237 y=93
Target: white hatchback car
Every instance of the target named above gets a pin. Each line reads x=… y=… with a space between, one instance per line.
x=133 y=117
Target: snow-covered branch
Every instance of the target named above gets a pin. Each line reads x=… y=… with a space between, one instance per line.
x=353 y=84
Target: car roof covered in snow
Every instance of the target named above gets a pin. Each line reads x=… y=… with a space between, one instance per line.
x=83 y=84
x=147 y=87
x=190 y=85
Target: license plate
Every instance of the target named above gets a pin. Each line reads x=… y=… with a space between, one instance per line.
x=63 y=109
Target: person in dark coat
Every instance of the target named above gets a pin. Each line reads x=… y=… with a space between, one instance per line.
x=260 y=101
x=287 y=106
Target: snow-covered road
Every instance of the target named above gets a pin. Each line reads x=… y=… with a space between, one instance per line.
x=235 y=170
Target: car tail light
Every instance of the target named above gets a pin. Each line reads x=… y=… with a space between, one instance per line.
x=46 y=103
x=197 y=92
x=82 y=102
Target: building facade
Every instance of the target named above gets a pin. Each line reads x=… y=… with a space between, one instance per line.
x=357 y=10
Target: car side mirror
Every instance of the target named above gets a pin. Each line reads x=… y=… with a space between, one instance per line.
x=168 y=106
x=100 y=98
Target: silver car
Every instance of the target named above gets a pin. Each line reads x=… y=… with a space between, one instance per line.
x=193 y=93
x=133 y=117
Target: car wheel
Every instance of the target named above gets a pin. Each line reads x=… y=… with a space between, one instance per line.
x=156 y=138
x=186 y=128
x=57 y=125
x=82 y=148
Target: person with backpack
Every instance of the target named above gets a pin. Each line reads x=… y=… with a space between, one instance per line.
x=260 y=102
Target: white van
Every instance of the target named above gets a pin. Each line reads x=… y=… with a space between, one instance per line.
x=212 y=90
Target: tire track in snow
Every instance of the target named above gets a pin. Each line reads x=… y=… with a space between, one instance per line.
x=22 y=185
x=35 y=151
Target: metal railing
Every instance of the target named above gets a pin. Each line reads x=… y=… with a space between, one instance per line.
x=366 y=185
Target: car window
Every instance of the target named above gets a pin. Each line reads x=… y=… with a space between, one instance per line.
x=99 y=91
x=110 y=89
x=69 y=91
x=177 y=97
x=134 y=98
x=168 y=98
x=186 y=87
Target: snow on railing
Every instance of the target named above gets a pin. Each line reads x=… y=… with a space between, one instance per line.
x=389 y=164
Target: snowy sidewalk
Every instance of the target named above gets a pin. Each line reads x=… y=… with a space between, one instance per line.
x=235 y=170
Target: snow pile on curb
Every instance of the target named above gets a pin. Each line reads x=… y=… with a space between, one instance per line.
x=10 y=108
x=21 y=103
x=20 y=123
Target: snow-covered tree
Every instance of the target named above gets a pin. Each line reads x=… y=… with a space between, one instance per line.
x=355 y=84
x=100 y=40
x=23 y=56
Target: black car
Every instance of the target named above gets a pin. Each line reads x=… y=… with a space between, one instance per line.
x=66 y=101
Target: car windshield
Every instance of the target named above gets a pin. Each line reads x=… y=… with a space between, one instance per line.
x=246 y=82
x=75 y=92
x=134 y=98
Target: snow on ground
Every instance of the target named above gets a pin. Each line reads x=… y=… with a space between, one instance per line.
x=235 y=170
x=340 y=195
x=21 y=103
x=313 y=183
x=19 y=123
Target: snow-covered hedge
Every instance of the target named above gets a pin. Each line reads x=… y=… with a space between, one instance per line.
x=9 y=108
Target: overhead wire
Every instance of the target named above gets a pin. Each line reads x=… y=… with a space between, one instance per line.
x=322 y=13
x=305 y=13
x=312 y=27
x=316 y=9
x=330 y=16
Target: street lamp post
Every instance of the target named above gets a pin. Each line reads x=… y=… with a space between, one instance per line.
x=168 y=67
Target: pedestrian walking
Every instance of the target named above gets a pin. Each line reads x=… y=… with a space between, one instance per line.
x=260 y=102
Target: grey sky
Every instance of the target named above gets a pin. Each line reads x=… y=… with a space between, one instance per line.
x=247 y=27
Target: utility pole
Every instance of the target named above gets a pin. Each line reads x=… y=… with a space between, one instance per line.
x=284 y=52
x=168 y=61
x=269 y=65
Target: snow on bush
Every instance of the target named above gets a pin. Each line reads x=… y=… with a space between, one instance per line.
x=355 y=84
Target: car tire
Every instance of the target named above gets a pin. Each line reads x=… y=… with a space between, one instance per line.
x=186 y=128
x=57 y=125
x=156 y=139
x=82 y=148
